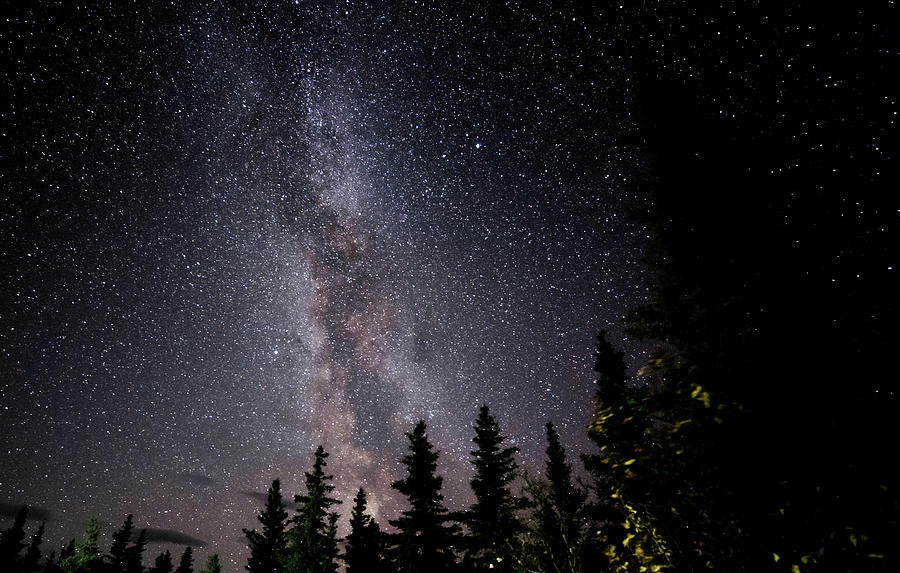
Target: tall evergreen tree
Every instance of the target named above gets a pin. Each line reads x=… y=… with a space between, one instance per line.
x=162 y=563
x=364 y=543
x=12 y=540
x=492 y=519
x=212 y=564
x=86 y=557
x=558 y=510
x=120 y=541
x=134 y=554
x=31 y=561
x=312 y=541
x=186 y=564
x=267 y=549
x=425 y=537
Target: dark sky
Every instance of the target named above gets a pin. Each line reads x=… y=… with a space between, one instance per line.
x=231 y=235
x=228 y=235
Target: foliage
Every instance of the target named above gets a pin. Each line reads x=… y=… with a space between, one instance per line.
x=31 y=561
x=162 y=563
x=365 y=547
x=425 y=539
x=186 y=563
x=86 y=558
x=492 y=518
x=268 y=548
x=212 y=564
x=312 y=539
x=11 y=540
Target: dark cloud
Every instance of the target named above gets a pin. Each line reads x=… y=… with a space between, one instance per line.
x=35 y=513
x=155 y=535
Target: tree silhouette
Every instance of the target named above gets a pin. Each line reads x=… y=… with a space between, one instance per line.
x=492 y=519
x=364 y=543
x=11 y=540
x=31 y=561
x=134 y=554
x=267 y=549
x=558 y=513
x=120 y=541
x=312 y=541
x=162 y=563
x=425 y=538
x=186 y=563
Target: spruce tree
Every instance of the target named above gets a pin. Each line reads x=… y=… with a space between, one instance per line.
x=186 y=564
x=492 y=519
x=120 y=540
x=364 y=545
x=212 y=564
x=86 y=557
x=134 y=554
x=31 y=561
x=267 y=549
x=12 y=540
x=312 y=541
x=163 y=563
x=425 y=537
x=558 y=512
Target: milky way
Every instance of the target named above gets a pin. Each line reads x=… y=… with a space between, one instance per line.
x=231 y=236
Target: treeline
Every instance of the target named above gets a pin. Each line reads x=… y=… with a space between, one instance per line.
x=659 y=496
x=125 y=555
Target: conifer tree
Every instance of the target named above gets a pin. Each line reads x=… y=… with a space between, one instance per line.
x=12 y=540
x=312 y=541
x=120 y=540
x=267 y=549
x=212 y=564
x=186 y=564
x=31 y=561
x=364 y=545
x=86 y=557
x=51 y=564
x=557 y=511
x=162 y=563
x=425 y=537
x=134 y=554
x=492 y=519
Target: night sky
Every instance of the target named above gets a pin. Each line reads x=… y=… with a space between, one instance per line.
x=229 y=236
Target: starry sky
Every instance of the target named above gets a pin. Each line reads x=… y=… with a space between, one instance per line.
x=231 y=234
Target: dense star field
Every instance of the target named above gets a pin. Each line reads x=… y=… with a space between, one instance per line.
x=230 y=235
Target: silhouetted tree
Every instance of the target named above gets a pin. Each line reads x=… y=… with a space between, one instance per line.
x=267 y=549
x=186 y=563
x=491 y=520
x=12 y=540
x=425 y=539
x=68 y=550
x=364 y=543
x=120 y=541
x=558 y=511
x=162 y=563
x=31 y=561
x=134 y=554
x=312 y=540
x=212 y=564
